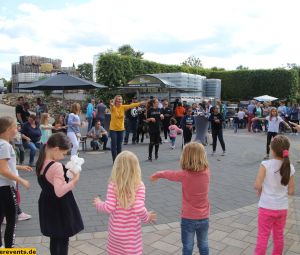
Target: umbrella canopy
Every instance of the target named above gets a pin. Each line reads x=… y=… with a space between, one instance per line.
x=62 y=81
x=265 y=98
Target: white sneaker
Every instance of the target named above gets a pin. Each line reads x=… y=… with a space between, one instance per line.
x=223 y=153
x=24 y=216
x=4 y=221
x=166 y=141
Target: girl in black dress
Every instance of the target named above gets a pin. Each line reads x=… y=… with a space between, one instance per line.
x=154 y=118
x=59 y=214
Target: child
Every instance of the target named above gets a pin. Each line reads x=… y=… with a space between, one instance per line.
x=195 y=178
x=17 y=142
x=273 y=127
x=274 y=182
x=45 y=127
x=187 y=123
x=125 y=202
x=59 y=214
x=8 y=178
x=174 y=130
x=216 y=119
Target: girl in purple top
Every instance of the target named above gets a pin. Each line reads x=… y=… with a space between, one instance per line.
x=195 y=179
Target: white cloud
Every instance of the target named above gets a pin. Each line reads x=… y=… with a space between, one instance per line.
x=252 y=33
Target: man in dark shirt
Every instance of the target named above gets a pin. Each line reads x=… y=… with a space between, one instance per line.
x=131 y=123
x=19 y=109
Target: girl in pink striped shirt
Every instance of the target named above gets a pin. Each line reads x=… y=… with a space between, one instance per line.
x=195 y=179
x=125 y=202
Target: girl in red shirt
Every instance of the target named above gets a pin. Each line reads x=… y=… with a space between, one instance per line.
x=195 y=179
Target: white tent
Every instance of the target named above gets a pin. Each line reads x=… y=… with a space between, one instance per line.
x=265 y=98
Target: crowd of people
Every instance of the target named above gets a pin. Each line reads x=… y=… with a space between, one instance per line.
x=125 y=201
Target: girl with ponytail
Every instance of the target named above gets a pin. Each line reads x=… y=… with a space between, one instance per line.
x=274 y=182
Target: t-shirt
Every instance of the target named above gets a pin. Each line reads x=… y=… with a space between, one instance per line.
x=214 y=124
x=33 y=133
x=154 y=127
x=25 y=115
x=20 y=110
x=274 y=123
x=8 y=152
x=167 y=112
x=39 y=109
x=97 y=132
x=274 y=195
x=241 y=115
x=73 y=121
x=100 y=111
x=46 y=133
x=187 y=120
x=89 y=110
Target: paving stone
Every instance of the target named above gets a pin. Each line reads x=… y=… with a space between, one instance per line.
x=162 y=226
x=164 y=246
x=231 y=250
x=89 y=249
x=295 y=247
x=217 y=235
x=150 y=238
x=172 y=238
x=235 y=242
x=238 y=234
x=216 y=245
x=84 y=236
x=100 y=234
x=33 y=239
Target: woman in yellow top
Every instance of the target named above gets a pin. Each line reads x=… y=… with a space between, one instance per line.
x=116 y=127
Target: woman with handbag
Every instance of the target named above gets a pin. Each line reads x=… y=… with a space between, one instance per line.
x=74 y=124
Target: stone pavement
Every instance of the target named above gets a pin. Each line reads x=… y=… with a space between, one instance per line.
x=233 y=200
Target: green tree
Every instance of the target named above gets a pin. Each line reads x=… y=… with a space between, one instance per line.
x=192 y=61
x=85 y=71
x=241 y=67
x=127 y=50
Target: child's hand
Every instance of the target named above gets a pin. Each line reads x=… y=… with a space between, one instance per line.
x=153 y=178
x=25 y=183
x=24 y=168
x=152 y=217
x=258 y=192
x=97 y=200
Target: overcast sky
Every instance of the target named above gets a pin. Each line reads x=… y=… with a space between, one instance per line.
x=255 y=34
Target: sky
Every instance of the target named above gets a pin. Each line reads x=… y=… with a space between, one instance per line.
x=255 y=34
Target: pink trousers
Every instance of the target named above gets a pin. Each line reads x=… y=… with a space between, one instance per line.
x=270 y=220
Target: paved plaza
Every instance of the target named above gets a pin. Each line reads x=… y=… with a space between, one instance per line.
x=233 y=222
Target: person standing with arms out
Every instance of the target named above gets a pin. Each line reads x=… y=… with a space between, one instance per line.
x=273 y=127
x=74 y=124
x=58 y=211
x=216 y=119
x=274 y=182
x=154 y=118
x=168 y=113
x=195 y=181
x=116 y=126
x=125 y=203
x=187 y=123
x=8 y=178
x=89 y=113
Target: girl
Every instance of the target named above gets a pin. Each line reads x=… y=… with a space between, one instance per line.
x=45 y=127
x=154 y=118
x=116 y=127
x=273 y=127
x=216 y=119
x=187 y=124
x=59 y=214
x=8 y=178
x=74 y=124
x=173 y=131
x=195 y=178
x=125 y=202
x=59 y=124
x=274 y=182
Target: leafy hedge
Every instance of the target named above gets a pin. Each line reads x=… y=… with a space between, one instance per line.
x=246 y=84
x=114 y=70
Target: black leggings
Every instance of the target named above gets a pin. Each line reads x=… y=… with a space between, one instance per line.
x=166 y=129
x=8 y=209
x=154 y=141
x=218 y=133
x=270 y=135
x=187 y=135
x=59 y=246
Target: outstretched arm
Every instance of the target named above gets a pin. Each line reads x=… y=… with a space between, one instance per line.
x=109 y=205
x=170 y=175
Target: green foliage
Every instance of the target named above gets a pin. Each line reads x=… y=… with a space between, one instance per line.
x=47 y=93
x=192 y=61
x=85 y=71
x=246 y=84
x=241 y=67
x=127 y=50
x=8 y=84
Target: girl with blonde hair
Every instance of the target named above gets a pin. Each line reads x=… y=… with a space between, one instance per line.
x=195 y=179
x=45 y=127
x=125 y=202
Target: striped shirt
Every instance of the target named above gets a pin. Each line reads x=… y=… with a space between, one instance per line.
x=124 y=228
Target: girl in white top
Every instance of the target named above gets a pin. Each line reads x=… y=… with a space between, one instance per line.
x=274 y=182
x=8 y=178
x=273 y=127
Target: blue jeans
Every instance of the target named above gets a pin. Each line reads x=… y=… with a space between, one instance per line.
x=188 y=229
x=173 y=139
x=90 y=122
x=116 y=138
x=131 y=127
x=33 y=148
